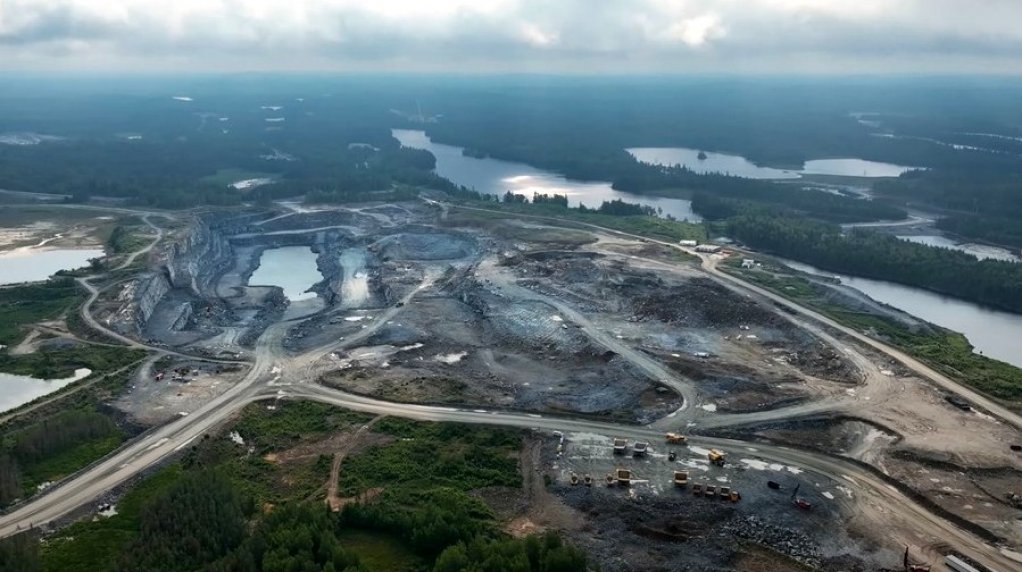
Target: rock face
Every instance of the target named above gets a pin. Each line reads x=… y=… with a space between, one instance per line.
x=193 y=264
x=149 y=290
x=197 y=261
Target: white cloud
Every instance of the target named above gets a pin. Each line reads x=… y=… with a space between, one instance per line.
x=569 y=35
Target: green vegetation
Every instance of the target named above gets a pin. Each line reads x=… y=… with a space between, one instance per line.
x=48 y=449
x=32 y=303
x=985 y=206
x=884 y=257
x=643 y=225
x=128 y=238
x=946 y=351
x=200 y=514
x=61 y=363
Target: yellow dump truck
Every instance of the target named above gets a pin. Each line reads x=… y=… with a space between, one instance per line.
x=624 y=477
x=680 y=478
x=676 y=438
x=620 y=444
x=716 y=457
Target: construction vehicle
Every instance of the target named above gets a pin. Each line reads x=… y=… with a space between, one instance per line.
x=672 y=456
x=735 y=496
x=640 y=448
x=909 y=567
x=697 y=489
x=716 y=457
x=624 y=477
x=676 y=438
x=710 y=491
x=799 y=501
x=680 y=478
x=725 y=493
x=620 y=445
x=610 y=479
x=159 y=376
x=774 y=485
x=574 y=479
x=588 y=480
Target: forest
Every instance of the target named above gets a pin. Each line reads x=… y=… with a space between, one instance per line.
x=222 y=508
x=869 y=254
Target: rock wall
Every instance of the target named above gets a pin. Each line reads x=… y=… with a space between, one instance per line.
x=197 y=260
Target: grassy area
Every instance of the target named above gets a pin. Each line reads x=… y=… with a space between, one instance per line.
x=380 y=552
x=426 y=465
x=431 y=455
x=946 y=351
x=62 y=363
x=32 y=303
x=69 y=461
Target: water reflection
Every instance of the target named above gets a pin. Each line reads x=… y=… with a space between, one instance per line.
x=496 y=177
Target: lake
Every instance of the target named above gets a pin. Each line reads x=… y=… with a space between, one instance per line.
x=496 y=177
x=741 y=167
x=35 y=264
x=980 y=251
x=17 y=390
x=293 y=268
x=993 y=333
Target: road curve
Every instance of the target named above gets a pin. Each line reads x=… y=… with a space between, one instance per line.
x=908 y=361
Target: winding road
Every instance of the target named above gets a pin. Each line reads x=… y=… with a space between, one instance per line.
x=277 y=375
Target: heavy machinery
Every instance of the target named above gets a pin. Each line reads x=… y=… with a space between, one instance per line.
x=574 y=479
x=735 y=496
x=676 y=438
x=672 y=456
x=624 y=477
x=716 y=457
x=697 y=489
x=640 y=448
x=587 y=480
x=610 y=479
x=799 y=501
x=680 y=478
x=710 y=491
x=725 y=493
x=774 y=485
x=909 y=567
x=620 y=445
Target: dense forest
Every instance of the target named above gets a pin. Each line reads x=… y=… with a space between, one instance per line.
x=984 y=206
x=874 y=255
x=225 y=508
x=31 y=454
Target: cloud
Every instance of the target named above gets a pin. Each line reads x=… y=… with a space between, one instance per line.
x=513 y=35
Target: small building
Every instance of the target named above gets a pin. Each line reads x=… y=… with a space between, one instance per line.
x=708 y=248
x=748 y=263
x=691 y=243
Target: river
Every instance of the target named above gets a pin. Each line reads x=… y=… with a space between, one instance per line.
x=993 y=333
x=496 y=177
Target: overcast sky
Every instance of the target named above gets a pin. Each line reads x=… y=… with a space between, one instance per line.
x=588 y=36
